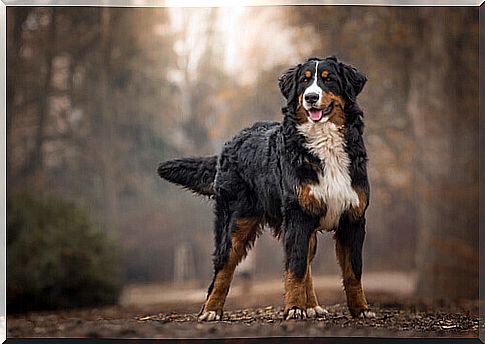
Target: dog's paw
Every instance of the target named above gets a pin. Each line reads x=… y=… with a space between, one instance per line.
x=367 y=314
x=316 y=312
x=296 y=313
x=210 y=316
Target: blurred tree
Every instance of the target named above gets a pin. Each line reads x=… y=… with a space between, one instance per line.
x=443 y=103
x=16 y=18
x=131 y=87
x=89 y=114
x=27 y=55
x=421 y=134
x=378 y=41
x=35 y=165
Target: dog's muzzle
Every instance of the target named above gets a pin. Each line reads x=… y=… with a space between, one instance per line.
x=317 y=114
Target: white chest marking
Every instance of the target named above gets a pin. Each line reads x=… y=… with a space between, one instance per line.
x=334 y=188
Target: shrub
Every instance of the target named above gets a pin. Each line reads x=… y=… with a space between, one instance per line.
x=56 y=258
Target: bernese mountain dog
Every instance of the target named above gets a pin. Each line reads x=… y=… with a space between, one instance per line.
x=305 y=174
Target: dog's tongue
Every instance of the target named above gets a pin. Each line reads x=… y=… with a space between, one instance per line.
x=316 y=114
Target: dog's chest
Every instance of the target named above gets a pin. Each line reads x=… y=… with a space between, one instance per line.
x=334 y=188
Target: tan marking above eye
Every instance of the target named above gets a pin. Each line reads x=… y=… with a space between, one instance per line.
x=308 y=74
x=324 y=73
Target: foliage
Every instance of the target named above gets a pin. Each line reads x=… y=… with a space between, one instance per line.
x=56 y=258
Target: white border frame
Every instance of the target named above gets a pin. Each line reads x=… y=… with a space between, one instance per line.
x=140 y=3
x=3 y=173
x=225 y=3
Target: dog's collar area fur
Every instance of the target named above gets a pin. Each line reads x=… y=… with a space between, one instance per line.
x=333 y=188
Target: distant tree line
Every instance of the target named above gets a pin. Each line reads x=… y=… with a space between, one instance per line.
x=96 y=97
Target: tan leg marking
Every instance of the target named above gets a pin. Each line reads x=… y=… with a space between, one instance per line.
x=309 y=202
x=311 y=297
x=313 y=309
x=300 y=292
x=295 y=296
x=353 y=287
x=247 y=231
x=357 y=212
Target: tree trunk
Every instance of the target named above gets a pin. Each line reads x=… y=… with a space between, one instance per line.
x=35 y=166
x=105 y=134
x=443 y=103
x=16 y=17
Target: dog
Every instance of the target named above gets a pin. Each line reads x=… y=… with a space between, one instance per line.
x=305 y=174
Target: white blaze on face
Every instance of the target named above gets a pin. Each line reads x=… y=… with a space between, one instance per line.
x=315 y=113
x=314 y=88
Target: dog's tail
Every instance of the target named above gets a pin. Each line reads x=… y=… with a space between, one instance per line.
x=195 y=174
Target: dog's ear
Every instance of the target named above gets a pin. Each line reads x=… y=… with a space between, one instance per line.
x=353 y=81
x=287 y=83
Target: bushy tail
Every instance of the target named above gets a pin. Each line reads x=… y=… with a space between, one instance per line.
x=195 y=174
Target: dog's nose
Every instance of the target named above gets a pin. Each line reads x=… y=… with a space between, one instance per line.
x=311 y=97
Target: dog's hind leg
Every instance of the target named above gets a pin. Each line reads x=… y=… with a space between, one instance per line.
x=313 y=309
x=349 y=241
x=243 y=232
x=298 y=228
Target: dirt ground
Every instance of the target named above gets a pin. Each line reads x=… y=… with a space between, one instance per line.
x=253 y=313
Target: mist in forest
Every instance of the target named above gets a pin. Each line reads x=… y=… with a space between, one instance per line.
x=98 y=97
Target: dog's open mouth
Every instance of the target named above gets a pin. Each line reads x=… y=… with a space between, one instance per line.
x=317 y=114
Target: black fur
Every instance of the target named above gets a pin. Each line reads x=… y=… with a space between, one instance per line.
x=352 y=233
x=259 y=170
x=195 y=174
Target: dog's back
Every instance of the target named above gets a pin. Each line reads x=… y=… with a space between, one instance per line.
x=249 y=171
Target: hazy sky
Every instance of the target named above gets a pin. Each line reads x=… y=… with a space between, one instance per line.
x=249 y=39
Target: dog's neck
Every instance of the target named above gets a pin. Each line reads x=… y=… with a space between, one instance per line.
x=327 y=141
x=296 y=142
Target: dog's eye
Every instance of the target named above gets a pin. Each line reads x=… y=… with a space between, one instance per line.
x=304 y=79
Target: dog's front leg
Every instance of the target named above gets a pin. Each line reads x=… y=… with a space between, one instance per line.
x=313 y=309
x=348 y=246
x=298 y=228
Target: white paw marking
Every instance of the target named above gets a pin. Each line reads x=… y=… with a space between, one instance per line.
x=316 y=312
x=310 y=312
x=296 y=314
x=367 y=314
x=210 y=316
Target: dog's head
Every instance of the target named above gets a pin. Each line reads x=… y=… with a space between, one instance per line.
x=317 y=89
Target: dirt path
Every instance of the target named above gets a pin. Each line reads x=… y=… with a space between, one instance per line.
x=403 y=318
x=260 y=322
x=170 y=312
x=383 y=282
